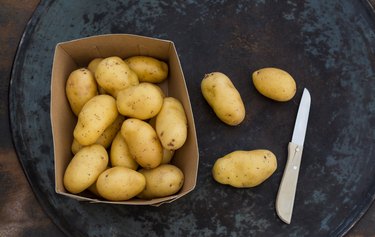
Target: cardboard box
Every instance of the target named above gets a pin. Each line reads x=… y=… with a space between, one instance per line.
x=78 y=53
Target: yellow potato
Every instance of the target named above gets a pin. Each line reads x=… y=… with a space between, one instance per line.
x=76 y=146
x=114 y=75
x=120 y=154
x=244 y=169
x=96 y=116
x=161 y=181
x=94 y=64
x=120 y=183
x=105 y=138
x=85 y=167
x=80 y=88
x=167 y=156
x=171 y=124
x=142 y=101
x=223 y=97
x=275 y=84
x=148 y=69
x=110 y=132
x=143 y=142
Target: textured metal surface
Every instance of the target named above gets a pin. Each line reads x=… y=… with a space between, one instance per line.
x=328 y=46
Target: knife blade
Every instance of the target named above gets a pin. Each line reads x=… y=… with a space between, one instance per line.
x=287 y=189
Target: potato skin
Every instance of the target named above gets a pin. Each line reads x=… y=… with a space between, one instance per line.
x=110 y=132
x=94 y=64
x=275 y=84
x=120 y=154
x=142 y=101
x=113 y=75
x=244 y=169
x=223 y=97
x=143 y=142
x=85 y=167
x=80 y=87
x=120 y=183
x=162 y=181
x=148 y=69
x=97 y=114
x=171 y=124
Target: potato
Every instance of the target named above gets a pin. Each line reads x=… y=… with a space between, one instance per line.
x=94 y=64
x=143 y=101
x=171 y=124
x=85 y=167
x=120 y=154
x=244 y=169
x=148 y=69
x=275 y=84
x=120 y=183
x=96 y=116
x=76 y=146
x=167 y=156
x=161 y=181
x=113 y=75
x=80 y=88
x=143 y=142
x=223 y=97
x=110 y=132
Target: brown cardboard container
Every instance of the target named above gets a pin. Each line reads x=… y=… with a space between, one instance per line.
x=78 y=53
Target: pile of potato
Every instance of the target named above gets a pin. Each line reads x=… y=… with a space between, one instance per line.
x=127 y=130
x=244 y=169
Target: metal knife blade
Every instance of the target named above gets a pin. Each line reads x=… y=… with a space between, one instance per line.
x=287 y=189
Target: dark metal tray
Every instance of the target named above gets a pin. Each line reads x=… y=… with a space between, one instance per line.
x=328 y=46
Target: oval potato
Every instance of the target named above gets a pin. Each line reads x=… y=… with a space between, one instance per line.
x=94 y=64
x=97 y=114
x=162 y=181
x=85 y=167
x=142 y=101
x=120 y=154
x=244 y=169
x=114 y=75
x=80 y=88
x=275 y=84
x=148 y=69
x=143 y=142
x=171 y=124
x=223 y=97
x=120 y=183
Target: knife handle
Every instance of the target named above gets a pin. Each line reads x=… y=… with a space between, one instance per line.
x=288 y=185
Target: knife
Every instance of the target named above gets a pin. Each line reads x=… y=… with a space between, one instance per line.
x=288 y=185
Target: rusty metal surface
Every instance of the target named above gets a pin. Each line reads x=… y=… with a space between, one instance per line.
x=328 y=46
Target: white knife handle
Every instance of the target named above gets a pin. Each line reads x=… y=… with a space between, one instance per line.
x=288 y=185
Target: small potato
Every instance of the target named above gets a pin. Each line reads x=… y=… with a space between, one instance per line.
x=171 y=124
x=114 y=75
x=94 y=64
x=223 y=97
x=148 y=69
x=120 y=154
x=96 y=116
x=167 y=156
x=85 y=167
x=244 y=169
x=143 y=142
x=106 y=138
x=80 y=88
x=161 y=181
x=142 y=101
x=110 y=132
x=275 y=84
x=76 y=146
x=120 y=183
